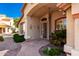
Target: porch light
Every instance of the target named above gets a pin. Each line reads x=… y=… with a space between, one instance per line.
x=64 y=13
x=60 y=10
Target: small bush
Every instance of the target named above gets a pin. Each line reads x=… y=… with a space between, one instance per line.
x=1 y=38
x=57 y=42
x=52 y=51
x=58 y=37
x=18 y=38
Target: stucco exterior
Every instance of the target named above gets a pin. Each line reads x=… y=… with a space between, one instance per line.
x=34 y=13
x=33 y=22
x=6 y=24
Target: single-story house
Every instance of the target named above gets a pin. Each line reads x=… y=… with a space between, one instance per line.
x=43 y=18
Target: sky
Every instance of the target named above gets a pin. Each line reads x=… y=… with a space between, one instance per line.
x=11 y=9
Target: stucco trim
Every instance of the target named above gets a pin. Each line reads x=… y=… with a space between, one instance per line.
x=22 y=10
x=64 y=6
x=57 y=20
x=20 y=20
x=76 y=15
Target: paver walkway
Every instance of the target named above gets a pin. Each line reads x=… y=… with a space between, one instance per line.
x=31 y=48
x=9 y=48
x=27 y=48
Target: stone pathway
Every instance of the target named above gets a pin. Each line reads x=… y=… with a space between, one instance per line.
x=9 y=48
x=27 y=48
x=31 y=48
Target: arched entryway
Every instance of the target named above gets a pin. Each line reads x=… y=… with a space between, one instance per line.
x=41 y=20
x=37 y=11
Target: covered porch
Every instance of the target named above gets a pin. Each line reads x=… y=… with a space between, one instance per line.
x=41 y=21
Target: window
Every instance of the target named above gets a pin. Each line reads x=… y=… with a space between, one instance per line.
x=44 y=19
x=3 y=29
x=10 y=23
x=8 y=30
x=60 y=24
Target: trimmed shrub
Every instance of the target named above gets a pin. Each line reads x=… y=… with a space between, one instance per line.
x=58 y=38
x=1 y=38
x=52 y=51
x=18 y=38
x=61 y=34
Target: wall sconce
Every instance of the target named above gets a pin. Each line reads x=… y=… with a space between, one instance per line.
x=64 y=12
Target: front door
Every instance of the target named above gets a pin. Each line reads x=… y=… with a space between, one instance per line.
x=44 y=30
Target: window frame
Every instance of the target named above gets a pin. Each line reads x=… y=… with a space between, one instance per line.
x=58 y=20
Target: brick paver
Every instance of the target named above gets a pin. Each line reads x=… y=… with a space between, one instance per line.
x=27 y=48
x=31 y=48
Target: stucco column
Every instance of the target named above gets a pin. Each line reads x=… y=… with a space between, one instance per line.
x=70 y=32
x=27 y=27
x=20 y=29
x=2 y=31
x=5 y=30
x=49 y=17
x=75 y=13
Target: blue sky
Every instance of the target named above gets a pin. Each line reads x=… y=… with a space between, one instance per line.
x=11 y=9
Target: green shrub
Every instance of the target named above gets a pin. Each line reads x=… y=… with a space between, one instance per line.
x=58 y=37
x=1 y=38
x=52 y=51
x=61 y=33
x=45 y=51
x=18 y=38
x=53 y=37
x=57 y=42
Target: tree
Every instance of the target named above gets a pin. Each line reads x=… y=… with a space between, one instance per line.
x=16 y=20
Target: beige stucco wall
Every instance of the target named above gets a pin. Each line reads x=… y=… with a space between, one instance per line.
x=70 y=32
x=22 y=26
x=75 y=8
x=70 y=28
x=29 y=7
x=32 y=31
